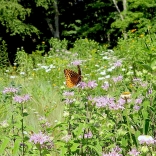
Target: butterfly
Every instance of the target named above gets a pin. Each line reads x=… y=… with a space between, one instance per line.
x=72 y=78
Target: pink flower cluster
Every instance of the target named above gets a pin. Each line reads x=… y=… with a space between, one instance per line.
x=68 y=94
x=115 y=152
x=105 y=86
x=104 y=101
x=8 y=90
x=39 y=138
x=117 y=79
x=77 y=62
x=133 y=152
x=21 y=99
x=118 y=63
x=88 y=135
x=146 y=139
x=90 y=84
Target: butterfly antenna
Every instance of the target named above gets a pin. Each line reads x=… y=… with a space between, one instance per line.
x=79 y=70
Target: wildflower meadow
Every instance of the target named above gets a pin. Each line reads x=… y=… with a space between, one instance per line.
x=111 y=112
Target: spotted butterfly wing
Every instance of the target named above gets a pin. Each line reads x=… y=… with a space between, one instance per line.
x=72 y=78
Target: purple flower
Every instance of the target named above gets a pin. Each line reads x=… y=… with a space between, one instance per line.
x=121 y=101
x=82 y=85
x=136 y=107
x=10 y=90
x=143 y=84
x=117 y=149
x=120 y=77
x=26 y=97
x=138 y=100
x=133 y=152
x=39 y=138
x=92 y=84
x=118 y=63
x=115 y=152
x=105 y=86
x=88 y=135
x=150 y=91
x=115 y=79
x=76 y=62
x=68 y=94
x=90 y=98
x=69 y=101
x=119 y=105
x=102 y=101
x=21 y=99
x=146 y=139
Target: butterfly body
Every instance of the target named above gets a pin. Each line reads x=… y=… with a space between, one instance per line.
x=72 y=78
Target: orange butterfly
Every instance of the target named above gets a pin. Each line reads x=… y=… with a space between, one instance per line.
x=72 y=78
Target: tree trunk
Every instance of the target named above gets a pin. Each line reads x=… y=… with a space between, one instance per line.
x=50 y=26
x=124 y=5
x=54 y=31
x=121 y=16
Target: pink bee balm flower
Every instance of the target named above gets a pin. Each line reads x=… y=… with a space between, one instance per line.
x=82 y=85
x=21 y=99
x=92 y=84
x=69 y=101
x=136 y=107
x=10 y=90
x=105 y=86
x=146 y=139
x=76 y=62
x=68 y=93
x=39 y=138
x=118 y=63
x=138 y=100
x=114 y=152
x=88 y=135
x=134 y=152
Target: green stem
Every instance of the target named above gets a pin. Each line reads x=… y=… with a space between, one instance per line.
x=128 y=123
x=22 y=127
x=12 y=118
x=40 y=150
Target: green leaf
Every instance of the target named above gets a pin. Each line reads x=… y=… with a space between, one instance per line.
x=4 y=144
x=96 y=148
x=146 y=104
x=63 y=151
x=146 y=126
x=74 y=147
x=16 y=147
x=145 y=114
x=124 y=142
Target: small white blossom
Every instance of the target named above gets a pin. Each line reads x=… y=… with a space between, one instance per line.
x=103 y=73
x=107 y=77
x=12 y=77
x=22 y=73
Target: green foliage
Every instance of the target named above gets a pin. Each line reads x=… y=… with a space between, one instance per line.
x=86 y=47
x=71 y=29
x=140 y=52
x=57 y=45
x=23 y=61
x=4 y=60
x=12 y=17
x=136 y=16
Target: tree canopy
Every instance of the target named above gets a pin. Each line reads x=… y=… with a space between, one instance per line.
x=28 y=23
